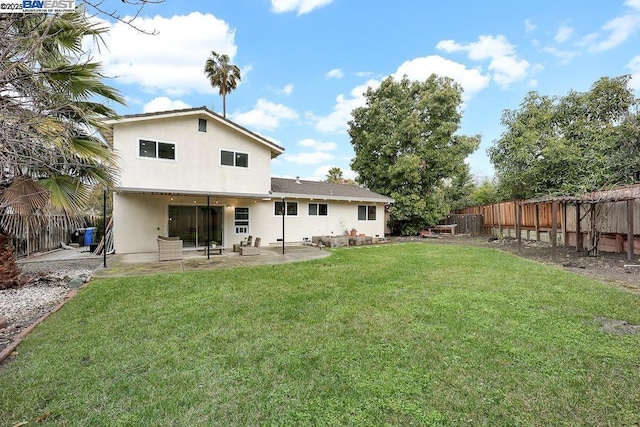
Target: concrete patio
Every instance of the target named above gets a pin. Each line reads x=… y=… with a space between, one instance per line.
x=119 y=265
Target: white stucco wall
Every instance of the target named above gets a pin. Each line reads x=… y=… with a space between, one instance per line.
x=341 y=216
x=136 y=220
x=197 y=165
x=139 y=219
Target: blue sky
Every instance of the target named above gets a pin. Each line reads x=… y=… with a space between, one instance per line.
x=306 y=63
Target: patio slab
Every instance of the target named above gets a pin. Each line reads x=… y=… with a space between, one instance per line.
x=120 y=265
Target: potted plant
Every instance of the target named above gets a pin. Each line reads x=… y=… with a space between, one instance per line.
x=353 y=231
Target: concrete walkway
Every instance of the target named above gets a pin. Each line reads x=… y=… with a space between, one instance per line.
x=119 y=265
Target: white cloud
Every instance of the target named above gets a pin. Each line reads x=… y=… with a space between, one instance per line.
x=318 y=145
x=504 y=62
x=486 y=47
x=162 y=103
x=563 y=55
x=635 y=4
x=336 y=73
x=529 y=25
x=471 y=79
x=634 y=66
x=508 y=70
x=287 y=90
x=337 y=120
x=364 y=74
x=265 y=115
x=618 y=31
x=171 y=61
x=301 y=6
x=564 y=33
x=308 y=158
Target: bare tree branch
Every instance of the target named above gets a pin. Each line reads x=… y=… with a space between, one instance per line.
x=97 y=7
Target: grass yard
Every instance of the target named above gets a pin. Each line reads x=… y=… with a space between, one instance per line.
x=410 y=334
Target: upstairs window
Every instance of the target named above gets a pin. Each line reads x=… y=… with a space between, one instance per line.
x=318 y=209
x=202 y=125
x=234 y=158
x=156 y=149
x=366 y=213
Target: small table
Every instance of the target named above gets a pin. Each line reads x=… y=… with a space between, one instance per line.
x=451 y=228
x=217 y=249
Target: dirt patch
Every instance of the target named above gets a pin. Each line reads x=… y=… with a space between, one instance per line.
x=618 y=327
x=610 y=268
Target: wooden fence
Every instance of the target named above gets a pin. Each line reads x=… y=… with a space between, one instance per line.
x=605 y=223
x=466 y=224
x=41 y=239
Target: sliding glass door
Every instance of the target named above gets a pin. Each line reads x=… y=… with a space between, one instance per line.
x=190 y=224
x=215 y=217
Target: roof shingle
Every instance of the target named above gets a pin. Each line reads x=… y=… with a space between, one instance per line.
x=301 y=188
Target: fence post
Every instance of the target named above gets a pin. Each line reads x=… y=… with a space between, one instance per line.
x=578 y=231
x=564 y=224
x=630 y=238
x=519 y=225
x=554 y=230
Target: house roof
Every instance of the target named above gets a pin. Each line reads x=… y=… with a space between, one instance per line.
x=197 y=111
x=296 y=188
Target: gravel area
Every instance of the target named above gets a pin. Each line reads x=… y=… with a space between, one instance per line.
x=50 y=283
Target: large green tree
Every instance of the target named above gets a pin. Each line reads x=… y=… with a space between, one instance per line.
x=570 y=144
x=406 y=147
x=50 y=118
x=223 y=75
x=459 y=188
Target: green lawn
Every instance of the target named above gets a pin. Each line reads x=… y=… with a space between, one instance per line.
x=411 y=334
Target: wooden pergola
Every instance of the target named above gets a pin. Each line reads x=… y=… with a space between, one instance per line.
x=560 y=203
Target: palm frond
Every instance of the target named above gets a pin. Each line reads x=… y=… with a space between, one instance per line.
x=67 y=193
x=24 y=196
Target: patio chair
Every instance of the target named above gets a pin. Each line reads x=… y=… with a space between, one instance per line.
x=251 y=250
x=237 y=246
x=169 y=248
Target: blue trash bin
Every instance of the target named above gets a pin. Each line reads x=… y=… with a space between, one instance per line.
x=90 y=235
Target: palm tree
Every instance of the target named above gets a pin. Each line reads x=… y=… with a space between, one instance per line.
x=223 y=75
x=334 y=175
x=50 y=120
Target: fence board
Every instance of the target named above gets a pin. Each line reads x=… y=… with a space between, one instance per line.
x=466 y=224
x=44 y=239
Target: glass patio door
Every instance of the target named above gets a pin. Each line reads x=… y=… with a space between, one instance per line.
x=190 y=224
x=214 y=216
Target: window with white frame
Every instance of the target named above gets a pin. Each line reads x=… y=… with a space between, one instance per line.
x=366 y=212
x=241 y=220
x=234 y=158
x=292 y=208
x=156 y=149
x=318 y=209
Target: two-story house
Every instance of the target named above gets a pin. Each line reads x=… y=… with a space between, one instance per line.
x=192 y=173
